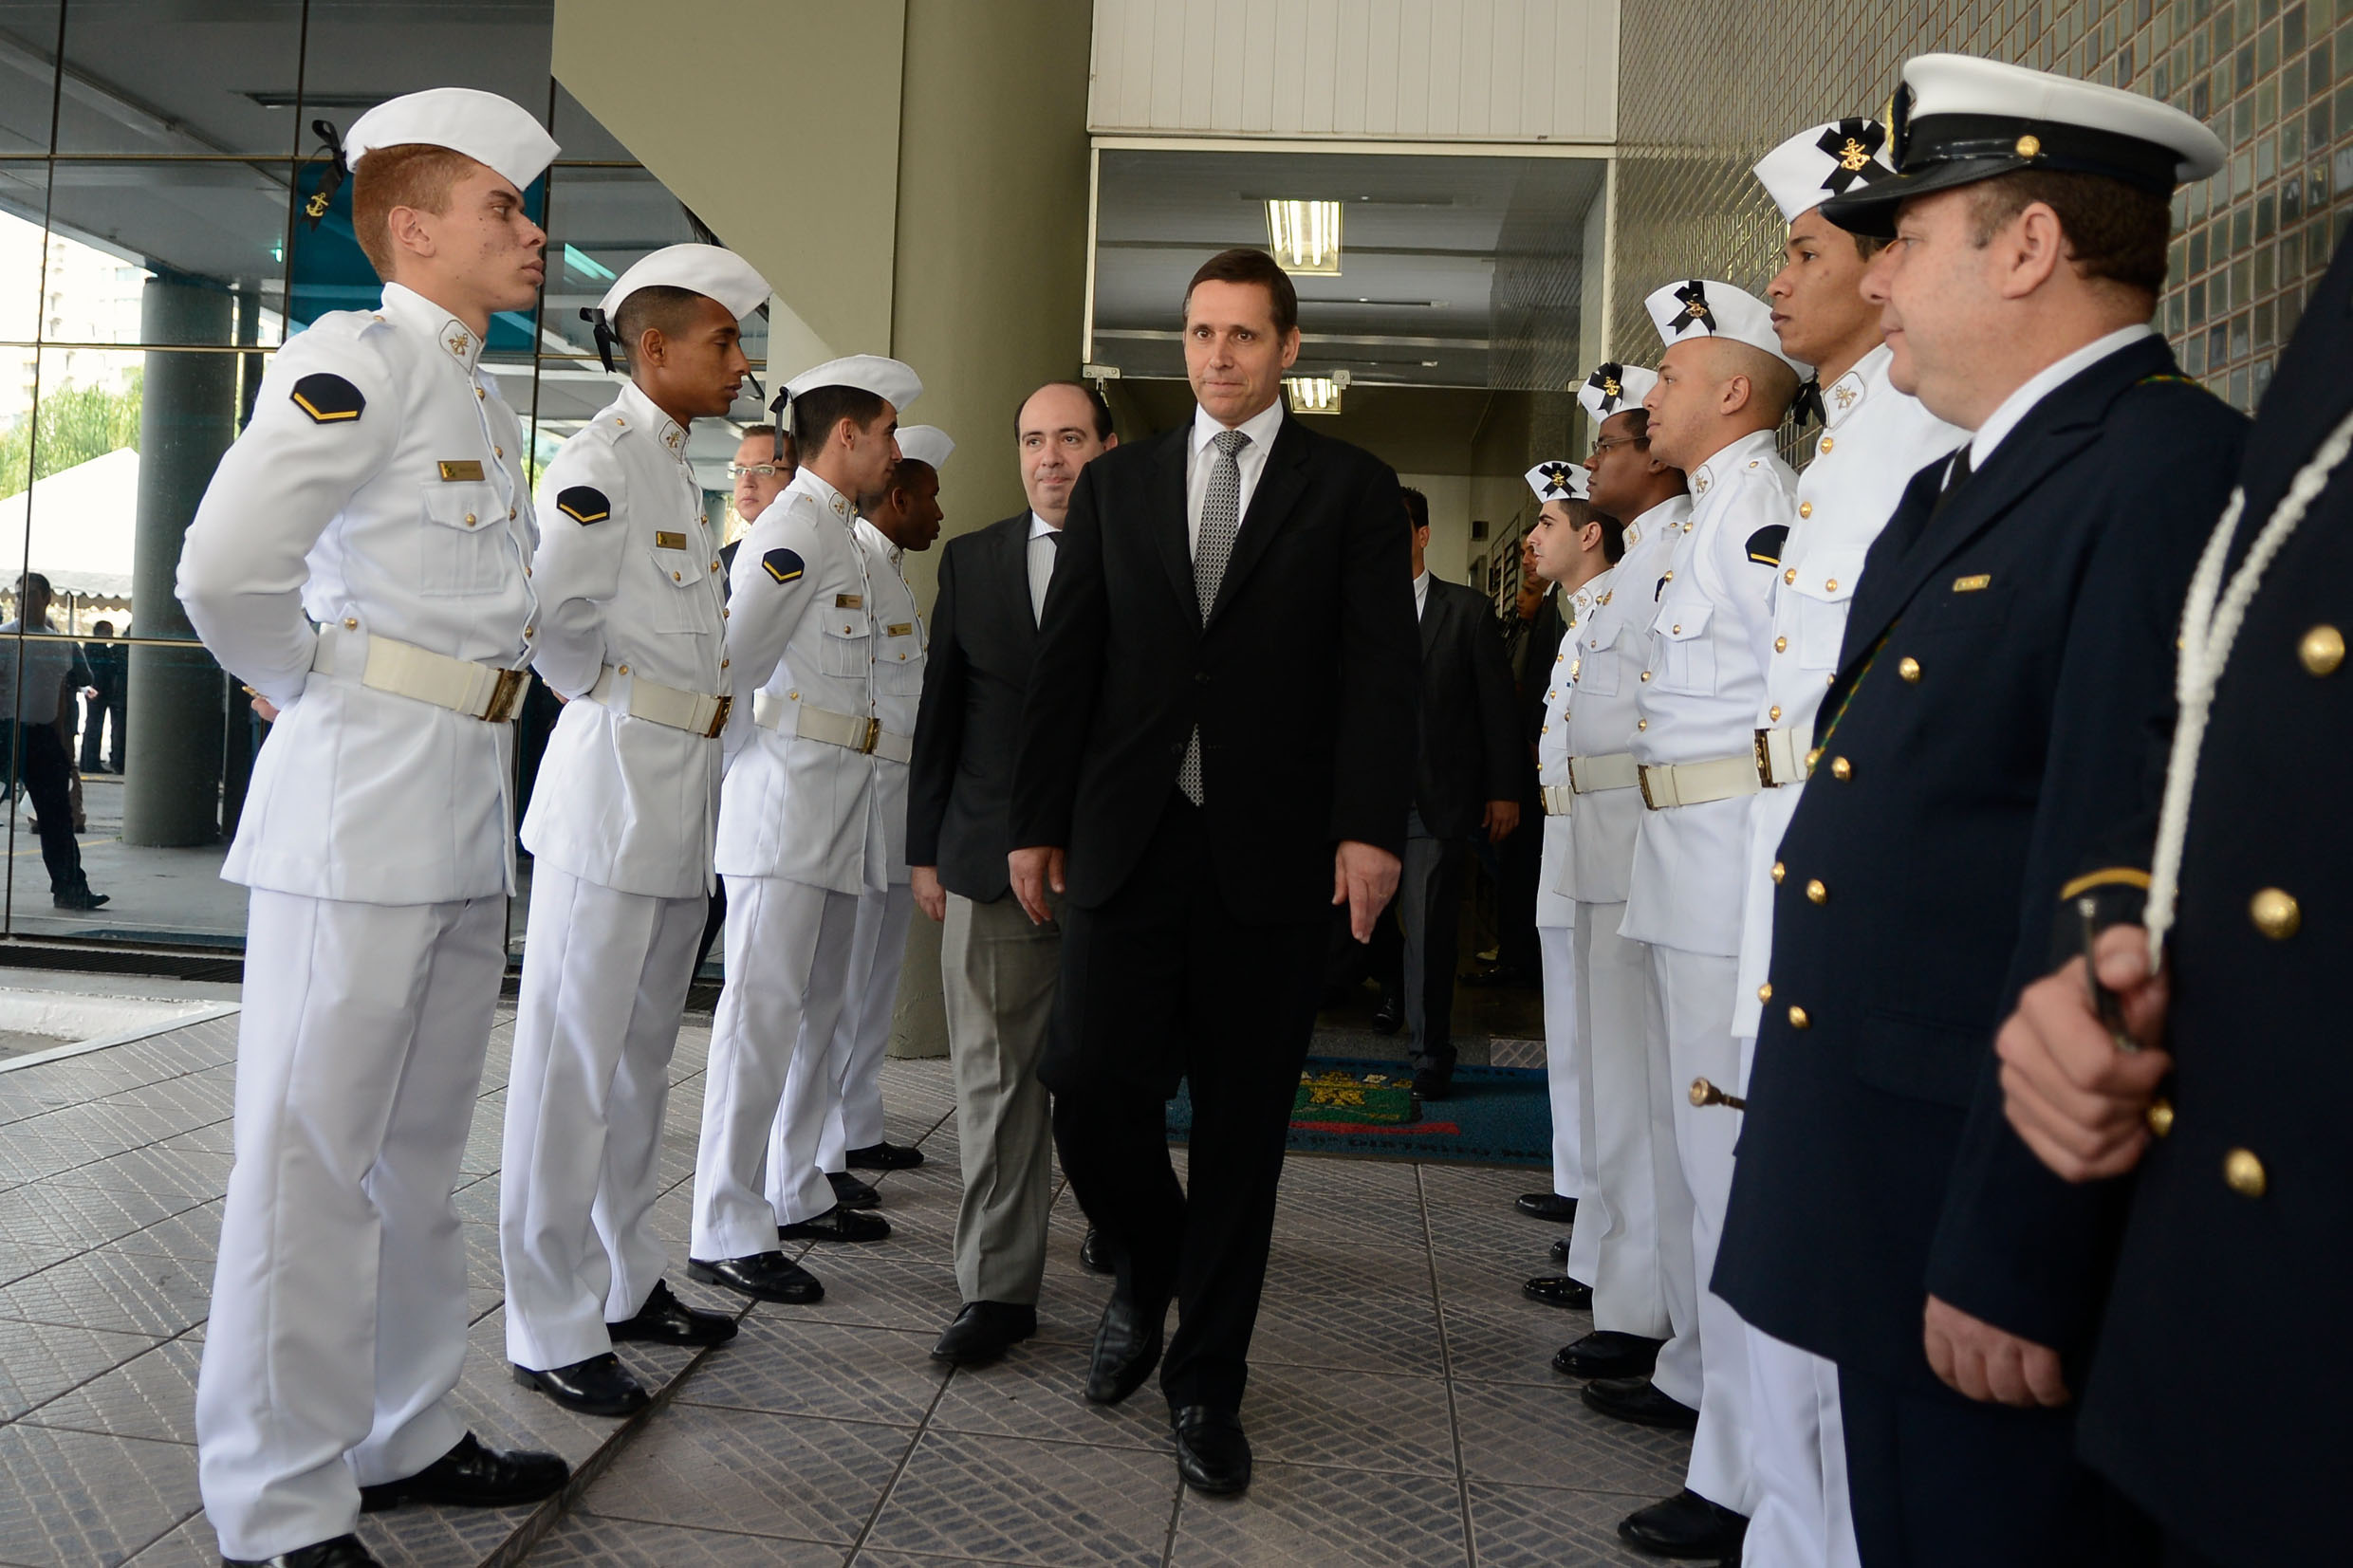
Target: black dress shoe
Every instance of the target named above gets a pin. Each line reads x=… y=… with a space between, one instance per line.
x=1637 y=1400
x=1559 y=1290
x=342 y=1552
x=1560 y=1250
x=471 y=1476
x=883 y=1156
x=1685 y=1525
x=79 y=899
x=1547 y=1206
x=599 y=1386
x=1389 y=1013
x=985 y=1331
x=849 y=1192
x=838 y=1224
x=1605 y=1352
x=1211 y=1453
x=1095 y=1254
x=1126 y=1350
x=1434 y=1082
x=666 y=1321
x=764 y=1277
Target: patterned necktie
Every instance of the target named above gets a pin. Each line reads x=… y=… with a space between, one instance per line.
x=1221 y=520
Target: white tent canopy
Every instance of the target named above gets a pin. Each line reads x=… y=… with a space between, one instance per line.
x=83 y=521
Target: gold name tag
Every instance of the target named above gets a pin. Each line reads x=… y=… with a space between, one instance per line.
x=1970 y=585
x=454 y=469
x=899 y=629
x=849 y=602
x=669 y=540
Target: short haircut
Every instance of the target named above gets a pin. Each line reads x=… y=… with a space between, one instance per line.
x=101 y=628
x=1417 y=507
x=906 y=473
x=1637 y=422
x=666 y=309
x=1094 y=401
x=411 y=174
x=1581 y=512
x=1772 y=384
x=33 y=583
x=1245 y=264
x=817 y=411
x=2114 y=231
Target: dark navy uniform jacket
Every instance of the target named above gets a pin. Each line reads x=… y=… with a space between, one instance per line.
x=2217 y=1397
x=2006 y=668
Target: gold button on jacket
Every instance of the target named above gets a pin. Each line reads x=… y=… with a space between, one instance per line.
x=2276 y=913
x=2322 y=649
x=2243 y=1173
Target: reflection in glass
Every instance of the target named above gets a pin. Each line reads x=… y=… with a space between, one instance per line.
x=23 y=197
x=163 y=76
x=113 y=227
x=27 y=74
x=601 y=222
x=363 y=51
x=331 y=273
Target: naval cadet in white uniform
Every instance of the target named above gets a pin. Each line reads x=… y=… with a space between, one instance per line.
x=1724 y=385
x=362 y=560
x=1639 y=1194
x=803 y=832
x=1873 y=440
x=905 y=516
x=620 y=827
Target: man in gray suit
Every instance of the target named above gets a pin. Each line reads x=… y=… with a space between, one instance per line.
x=998 y=968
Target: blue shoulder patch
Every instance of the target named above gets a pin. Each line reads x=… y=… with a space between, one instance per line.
x=328 y=398
x=584 y=504
x=782 y=566
x=1765 y=545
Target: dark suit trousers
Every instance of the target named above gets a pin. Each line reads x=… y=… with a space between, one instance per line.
x=1158 y=979
x=1938 y=1480
x=47 y=774
x=1429 y=906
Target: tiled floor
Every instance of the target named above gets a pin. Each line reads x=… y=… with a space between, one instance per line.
x=1401 y=1406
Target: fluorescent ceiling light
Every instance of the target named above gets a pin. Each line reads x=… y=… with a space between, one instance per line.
x=1304 y=235
x=1315 y=393
x=586 y=265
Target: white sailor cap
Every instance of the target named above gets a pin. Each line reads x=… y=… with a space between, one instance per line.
x=1707 y=308
x=886 y=378
x=707 y=269
x=1958 y=120
x=1557 y=478
x=925 y=444
x=1614 y=388
x=484 y=126
x=1827 y=160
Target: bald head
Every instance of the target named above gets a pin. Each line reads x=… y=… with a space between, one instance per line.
x=1712 y=391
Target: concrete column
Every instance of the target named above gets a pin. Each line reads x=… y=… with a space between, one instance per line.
x=174 y=705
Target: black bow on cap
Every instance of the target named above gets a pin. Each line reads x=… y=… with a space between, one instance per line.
x=777 y=407
x=1694 y=296
x=337 y=170
x=1898 y=118
x=1556 y=481
x=1851 y=144
x=1607 y=382
x=606 y=337
x=1809 y=403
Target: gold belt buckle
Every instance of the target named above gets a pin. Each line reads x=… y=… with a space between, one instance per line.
x=1641 y=779
x=1764 y=759
x=507 y=697
x=718 y=717
x=874 y=738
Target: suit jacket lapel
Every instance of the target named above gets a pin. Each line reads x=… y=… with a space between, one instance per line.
x=1167 y=523
x=1283 y=480
x=1012 y=559
x=1430 y=612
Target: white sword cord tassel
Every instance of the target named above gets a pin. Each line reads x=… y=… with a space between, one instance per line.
x=2207 y=630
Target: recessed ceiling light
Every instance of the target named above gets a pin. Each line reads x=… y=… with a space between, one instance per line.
x=1315 y=393
x=1304 y=235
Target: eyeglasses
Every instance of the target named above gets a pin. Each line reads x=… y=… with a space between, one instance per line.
x=765 y=471
x=1599 y=446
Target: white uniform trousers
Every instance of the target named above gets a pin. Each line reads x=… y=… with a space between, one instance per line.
x=1696 y=993
x=1568 y=1074
x=1629 y=1117
x=339 y=1303
x=787 y=953
x=604 y=978
x=1802 y=1519
x=878 y=949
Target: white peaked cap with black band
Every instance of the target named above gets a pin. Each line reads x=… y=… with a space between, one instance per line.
x=1704 y=307
x=486 y=128
x=888 y=379
x=1557 y=479
x=709 y=270
x=1958 y=120
x=925 y=444
x=1827 y=160
x=1614 y=388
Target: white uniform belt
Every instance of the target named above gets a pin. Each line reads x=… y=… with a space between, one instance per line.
x=1591 y=775
x=664 y=705
x=1557 y=798
x=863 y=736
x=1695 y=784
x=385 y=664
x=1781 y=758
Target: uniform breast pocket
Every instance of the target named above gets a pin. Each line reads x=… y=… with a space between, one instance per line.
x=463 y=548
x=1687 y=658
x=680 y=609
x=899 y=660
x=1597 y=660
x=848 y=645
x=1824 y=586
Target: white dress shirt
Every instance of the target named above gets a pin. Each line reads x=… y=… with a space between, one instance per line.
x=1421 y=593
x=1201 y=458
x=1044 y=551
x=47 y=665
x=2015 y=407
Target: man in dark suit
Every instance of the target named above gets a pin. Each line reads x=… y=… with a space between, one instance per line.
x=1466 y=780
x=997 y=967
x=2002 y=670
x=102 y=705
x=1217 y=743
